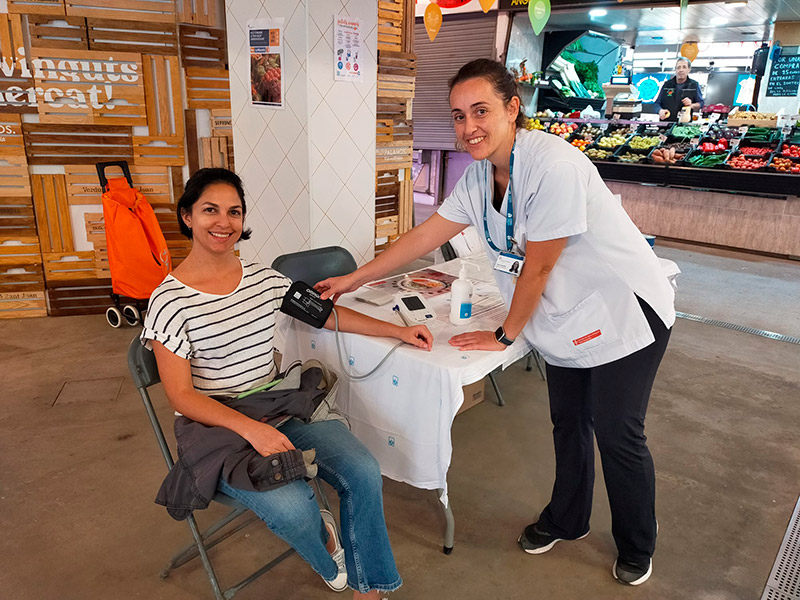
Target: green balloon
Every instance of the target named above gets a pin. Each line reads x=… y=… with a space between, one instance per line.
x=539 y=14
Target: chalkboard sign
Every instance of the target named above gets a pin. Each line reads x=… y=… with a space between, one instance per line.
x=784 y=77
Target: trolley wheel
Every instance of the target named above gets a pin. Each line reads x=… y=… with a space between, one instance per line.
x=114 y=316
x=131 y=314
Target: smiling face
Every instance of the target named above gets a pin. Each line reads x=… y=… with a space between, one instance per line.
x=483 y=122
x=216 y=219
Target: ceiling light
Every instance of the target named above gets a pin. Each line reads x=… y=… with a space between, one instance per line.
x=619 y=27
x=598 y=12
x=716 y=21
x=739 y=3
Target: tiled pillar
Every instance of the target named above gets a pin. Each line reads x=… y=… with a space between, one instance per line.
x=309 y=169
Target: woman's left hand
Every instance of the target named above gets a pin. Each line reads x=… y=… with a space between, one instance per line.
x=476 y=340
x=419 y=336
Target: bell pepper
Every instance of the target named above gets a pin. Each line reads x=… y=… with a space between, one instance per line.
x=724 y=143
x=708 y=146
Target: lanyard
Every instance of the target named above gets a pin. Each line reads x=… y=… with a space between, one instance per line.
x=509 y=207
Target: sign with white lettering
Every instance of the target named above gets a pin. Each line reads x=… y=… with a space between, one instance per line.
x=784 y=76
x=75 y=86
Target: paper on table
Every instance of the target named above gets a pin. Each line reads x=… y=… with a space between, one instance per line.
x=481 y=271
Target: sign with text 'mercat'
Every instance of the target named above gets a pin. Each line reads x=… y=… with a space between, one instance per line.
x=74 y=86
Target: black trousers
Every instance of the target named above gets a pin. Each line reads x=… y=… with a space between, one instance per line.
x=609 y=401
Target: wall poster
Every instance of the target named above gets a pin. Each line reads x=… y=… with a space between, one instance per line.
x=346 y=48
x=266 y=62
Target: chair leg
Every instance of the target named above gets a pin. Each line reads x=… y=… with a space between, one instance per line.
x=321 y=494
x=201 y=549
x=539 y=364
x=190 y=551
x=500 y=401
x=450 y=525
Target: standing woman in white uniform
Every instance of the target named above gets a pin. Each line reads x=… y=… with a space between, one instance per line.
x=591 y=297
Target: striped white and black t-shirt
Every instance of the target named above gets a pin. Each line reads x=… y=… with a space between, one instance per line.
x=226 y=338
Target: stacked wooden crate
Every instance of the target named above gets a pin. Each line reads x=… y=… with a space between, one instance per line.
x=394 y=197
x=84 y=74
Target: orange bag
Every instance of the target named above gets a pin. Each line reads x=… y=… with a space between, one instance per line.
x=138 y=256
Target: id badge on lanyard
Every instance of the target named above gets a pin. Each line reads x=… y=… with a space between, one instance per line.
x=508 y=261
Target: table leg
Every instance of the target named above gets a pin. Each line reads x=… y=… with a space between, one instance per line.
x=450 y=526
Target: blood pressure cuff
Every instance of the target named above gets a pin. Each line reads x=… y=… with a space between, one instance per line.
x=303 y=302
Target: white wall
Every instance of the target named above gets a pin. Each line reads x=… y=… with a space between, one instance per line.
x=309 y=169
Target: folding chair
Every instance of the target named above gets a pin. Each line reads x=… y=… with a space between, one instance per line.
x=144 y=370
x=312 y=266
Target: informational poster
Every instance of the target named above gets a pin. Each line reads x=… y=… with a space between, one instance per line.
x=784 y=76
x=266 y=62
x=346 y=48
x=745 y=86
x=648 y=85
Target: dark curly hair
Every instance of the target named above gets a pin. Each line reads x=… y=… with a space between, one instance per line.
x=495 y=73
x=195 y=187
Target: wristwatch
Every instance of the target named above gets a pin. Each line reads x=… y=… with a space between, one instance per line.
x=500 y=336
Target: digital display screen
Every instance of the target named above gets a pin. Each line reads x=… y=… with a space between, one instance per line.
x=412 y=302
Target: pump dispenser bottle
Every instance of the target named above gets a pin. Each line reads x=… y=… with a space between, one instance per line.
x=461 y=298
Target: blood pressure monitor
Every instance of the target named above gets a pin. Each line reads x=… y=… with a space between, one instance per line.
x=413 y=309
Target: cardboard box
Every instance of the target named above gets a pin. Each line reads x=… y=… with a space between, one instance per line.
x=473 y=395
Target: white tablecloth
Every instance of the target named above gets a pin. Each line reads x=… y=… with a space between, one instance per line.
x=404 y=412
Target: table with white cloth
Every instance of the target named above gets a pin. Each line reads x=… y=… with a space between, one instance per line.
x=404 y=412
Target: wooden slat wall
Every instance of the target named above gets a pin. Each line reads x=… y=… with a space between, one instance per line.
x=47 y=31
x=126 y=106
x=164 y=99
x=390 y=21
x=11 y=38
x=203 y=47
x=83 y=187
x=156 y=11
x=147 y=37
x=207 y=88
x=87 y=296
x=52 y=213
x=222 y=126
x=215 y=152
x=155 y=150
x=14 y=180
x=22 y=292
x=199 y=12
x=17 y=216
x=53 y=144
x=37 y=7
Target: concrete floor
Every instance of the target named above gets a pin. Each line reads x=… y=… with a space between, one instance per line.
x=79 y=476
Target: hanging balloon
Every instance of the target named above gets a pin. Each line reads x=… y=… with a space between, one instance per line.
x=689 y=50
x=433 y=20
x=539 y=13
x=486 y=5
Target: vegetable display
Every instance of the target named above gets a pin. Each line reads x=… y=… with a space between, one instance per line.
x=598 y=154
x=581 y=144
x=755 y=150
x=611 y=141
x=744 y=163
x=791 y=151
x=785 y=165
x=631 y=157
x=759 y=134
x=643 y=142
x=686 y=131
x=667 y=156
x=706 y=160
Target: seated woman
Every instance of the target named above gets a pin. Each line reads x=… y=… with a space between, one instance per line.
x=210 y=324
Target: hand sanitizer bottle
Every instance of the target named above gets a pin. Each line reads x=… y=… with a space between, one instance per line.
x=461 y=298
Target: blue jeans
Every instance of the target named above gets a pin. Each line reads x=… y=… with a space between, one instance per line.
x=292 y=513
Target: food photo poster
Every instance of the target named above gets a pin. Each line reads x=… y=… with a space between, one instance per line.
x=266 y=62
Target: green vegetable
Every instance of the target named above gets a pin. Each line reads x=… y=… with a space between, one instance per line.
x=686 y=131
x=707 y=160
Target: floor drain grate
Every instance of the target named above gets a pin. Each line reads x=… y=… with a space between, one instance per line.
x=767 y=334
x=784 y=580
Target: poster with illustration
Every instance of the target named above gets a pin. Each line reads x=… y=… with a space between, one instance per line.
x=266 y=62
x=346 y=48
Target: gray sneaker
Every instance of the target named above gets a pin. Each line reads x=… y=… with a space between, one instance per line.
x=631 y=573
x=339 y=583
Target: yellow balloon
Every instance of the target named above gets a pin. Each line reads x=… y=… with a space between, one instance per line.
x=486 y=5
x=689 y=50
x=433 y=20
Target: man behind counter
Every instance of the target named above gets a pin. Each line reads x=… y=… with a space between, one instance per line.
x=678 y=92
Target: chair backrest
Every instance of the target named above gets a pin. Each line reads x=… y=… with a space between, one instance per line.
x=312 y=266
x=144 y=371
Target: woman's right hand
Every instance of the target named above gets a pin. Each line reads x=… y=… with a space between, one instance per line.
x=267 y=440
x=336 y=286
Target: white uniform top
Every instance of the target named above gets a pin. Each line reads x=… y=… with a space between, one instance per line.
x=588 y=314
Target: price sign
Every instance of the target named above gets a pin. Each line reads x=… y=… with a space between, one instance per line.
x=786 y=130
x=714 y=117
x=735 y=143
x=694 y=141
x=743 y=130
x=705 y=127
x=662 y=138
x=603 y=126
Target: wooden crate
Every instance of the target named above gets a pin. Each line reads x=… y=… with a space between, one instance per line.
x=207 y=88
x=47 y=31
x=36 y=7
x=12 y=100
x=147 y=37
x=390 y=19
x=78 y=297
x=68 y=266
x=221 y=124
x=17 y=216
x=22 y=305
x=387 y=192
x=96 y=235
x=84 y=188
x=14 y=179
x=162 y=85
x=55 y=144
x=199 y=12
x=19 y=251
x=155 y=11
x=203 y=47
x=215 y=152
x=52 y=213
x=11 y=39
x=386 y=226
x=84 y=100
x=21 y=277
x=155 y=150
